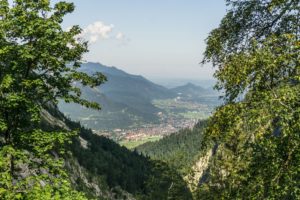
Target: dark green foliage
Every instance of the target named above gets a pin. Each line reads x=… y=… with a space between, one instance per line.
x=257 y=51
x=38 y=62
x=169 y=185
x=134 y=173
x=180 y=150
x=119 y=166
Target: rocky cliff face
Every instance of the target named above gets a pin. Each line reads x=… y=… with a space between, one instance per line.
x=198 y=170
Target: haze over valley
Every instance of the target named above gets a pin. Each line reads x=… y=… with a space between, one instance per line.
x=149 y=100
x=136 y=109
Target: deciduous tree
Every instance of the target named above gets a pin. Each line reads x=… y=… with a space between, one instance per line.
x=256 y=50
x=38 y=62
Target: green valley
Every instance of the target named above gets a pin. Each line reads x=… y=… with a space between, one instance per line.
x=71 y=129
x=132 y=117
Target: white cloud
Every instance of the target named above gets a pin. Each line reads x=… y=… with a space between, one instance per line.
x=101 y=31
x=122 y=39
x=120 y=36
x=96 y=31
x=93 y=38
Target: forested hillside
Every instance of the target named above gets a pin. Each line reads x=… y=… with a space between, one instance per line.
x=126 y=100
x=180 y=150
x=110 y=166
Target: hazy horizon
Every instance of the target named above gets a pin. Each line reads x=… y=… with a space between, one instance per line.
x=164 y=39
x=169 y=82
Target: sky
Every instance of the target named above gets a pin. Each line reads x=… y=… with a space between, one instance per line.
x=153 y=38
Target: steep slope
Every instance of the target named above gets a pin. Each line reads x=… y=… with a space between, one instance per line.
x=125 y=99
x=187 y=151
x=119 y=81
x=180 y=150
x=103 y=169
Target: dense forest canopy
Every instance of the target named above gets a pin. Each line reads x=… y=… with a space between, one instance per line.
x=180 y=150
x=38 y=65
x=116 y=166
x=256 y=50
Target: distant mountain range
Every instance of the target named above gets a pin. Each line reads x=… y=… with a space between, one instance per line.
x=126 y=99
x=176 y=82
x=194 y=93
x=189 y=89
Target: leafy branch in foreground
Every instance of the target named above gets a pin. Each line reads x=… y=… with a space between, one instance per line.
x=38 y=62
x=257 y=52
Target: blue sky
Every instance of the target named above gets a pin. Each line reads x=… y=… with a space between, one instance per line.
x=153 y=38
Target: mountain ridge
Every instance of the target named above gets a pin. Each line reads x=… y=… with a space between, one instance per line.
x=126 y=99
